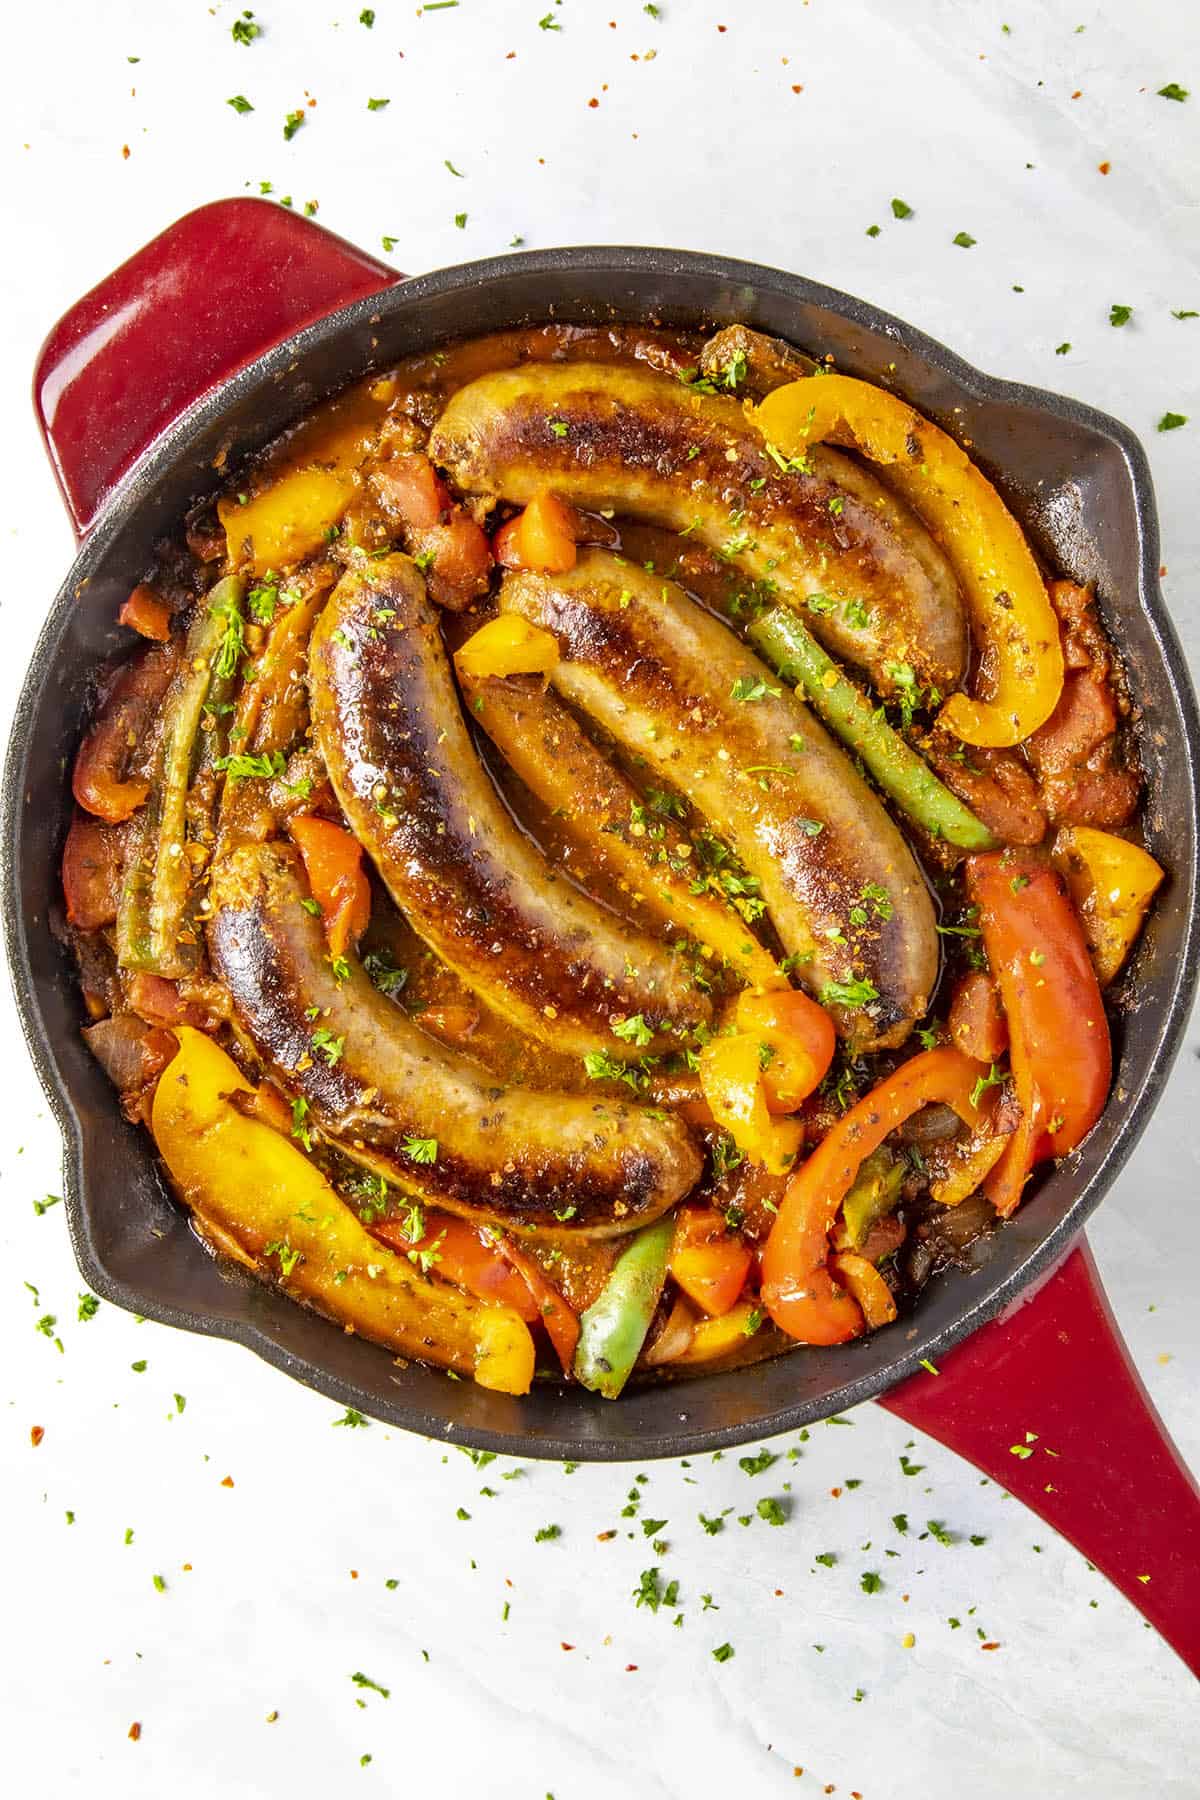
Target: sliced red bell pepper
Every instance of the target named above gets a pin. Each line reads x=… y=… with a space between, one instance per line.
x=333 y=863
x=1060 y=1047
x=797 y=1288
x=460 y=1252
x=562 y=1324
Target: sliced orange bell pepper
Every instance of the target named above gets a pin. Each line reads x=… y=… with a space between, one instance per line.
x=1014 y=620
x=730 y=1074
x=147 y=613
x=800 y=1036
x=1058 y=1035
x=867 y=1286
x=333 y=863
x=707 y=1261
x=797 y=1288
x=1112 y=883
x=543 y=536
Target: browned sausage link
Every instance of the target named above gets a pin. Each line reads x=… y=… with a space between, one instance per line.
x=674 y=685
x=388 y=724
x=374 y=1083
x=648 y=446
x=649 y=858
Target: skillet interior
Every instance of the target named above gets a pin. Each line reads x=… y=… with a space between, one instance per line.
x=1079 y=483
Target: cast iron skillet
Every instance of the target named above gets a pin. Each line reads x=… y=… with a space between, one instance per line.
x=189 y=357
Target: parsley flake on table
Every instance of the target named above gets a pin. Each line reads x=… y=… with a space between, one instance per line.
x=1173 y=91
x=911 y=1468
x=963 y=239
x=364 y=1681
x=367 y=17
x=1171 y=421
x=460 y=220
x=548 y=23
x=870 y=1581
x=1119 y=315
x=245 y=29
x=377 y=105
x=547 y=1533
x=759 y=1464
x=872 y=231
x=42 y=1207
x=774 y=1511
x=292 y=124
x=1061 y=349
x=239 y=103
x=901 y=209
x=351 y=1418
x=1186 y=312
x=723 y=1652
x=89 y=1306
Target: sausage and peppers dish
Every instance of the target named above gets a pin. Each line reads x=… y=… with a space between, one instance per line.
x=607 y=859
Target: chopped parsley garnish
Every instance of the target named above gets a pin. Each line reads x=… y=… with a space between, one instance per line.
x=1061 y=349
x=352 y=1417
x=772 y=1510
x=288 y=1257
x=327 y=1045
x=89 y=1306
x=870 y=1582
x=963 y=239
x=633 y=1030
x=749 y=687
x=460 y=220
x=245 y=30
x=911 y=1468
x=856 y=992
x=421 y=1150
x=233 y=642
x=367 y=17
x=1173 y=91
x=364 y=1681
x=377 y=105
x=292 y=124
x=241 y=767
x=299 y=1129
x=547 y=1533
x=759 y=1464
x=901 y=209
x=239 y=103
x=598 y=1065
x=1171 y=421
x=723 y=1652
x=994 y=1078
x=1119 y=315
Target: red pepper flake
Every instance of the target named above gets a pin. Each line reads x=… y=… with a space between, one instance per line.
x=631 y=1668
x=990 y=1646
x=720 y=27
x=797 y=87
x=602 y=1537
x=835 y=1493
x=1104 y=167
x=36 y=1434
x=511 y=57
x=228 y=1481
x=779 y=1593
x=593 y=101
x=1162 y=569
x=186 y=1567
x=125 y=152
x=135 y=1731
x=1078 y=94
x=566 y=1646
x=354 y=1574
x=507 y=1582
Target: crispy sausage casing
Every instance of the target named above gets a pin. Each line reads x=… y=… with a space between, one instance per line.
x=387 y=721
x=374 y=1083
x=653 y=448
x=674 y=685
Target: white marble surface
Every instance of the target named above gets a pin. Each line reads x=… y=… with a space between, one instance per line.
x=277 y=1587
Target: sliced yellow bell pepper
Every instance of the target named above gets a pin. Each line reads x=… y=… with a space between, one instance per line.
x=255 y=1193
x=305 y=496
x=867 y=1286
x=720 y=1337
x=1015 y=624
x=508 y=645
x=731 y=1077
x=1112 y=883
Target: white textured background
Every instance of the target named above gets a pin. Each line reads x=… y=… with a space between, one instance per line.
x=277 y=1588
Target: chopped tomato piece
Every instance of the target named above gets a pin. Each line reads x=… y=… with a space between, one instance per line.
x=411 y=490
x=333 y=863
x=800 y=1038
x=1076 y=756
x=101 y=781
x=457 y=559
x=91 y=872
x=146 y=612
x=542 y=537
x=706 y=1261
x=977 y=1023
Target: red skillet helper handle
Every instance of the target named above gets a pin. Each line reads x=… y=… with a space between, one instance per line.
x=1047 y=1402
x=199 y=302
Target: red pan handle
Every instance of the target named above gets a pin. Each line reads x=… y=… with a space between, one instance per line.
x=198 y=303
x=1054 y=1379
